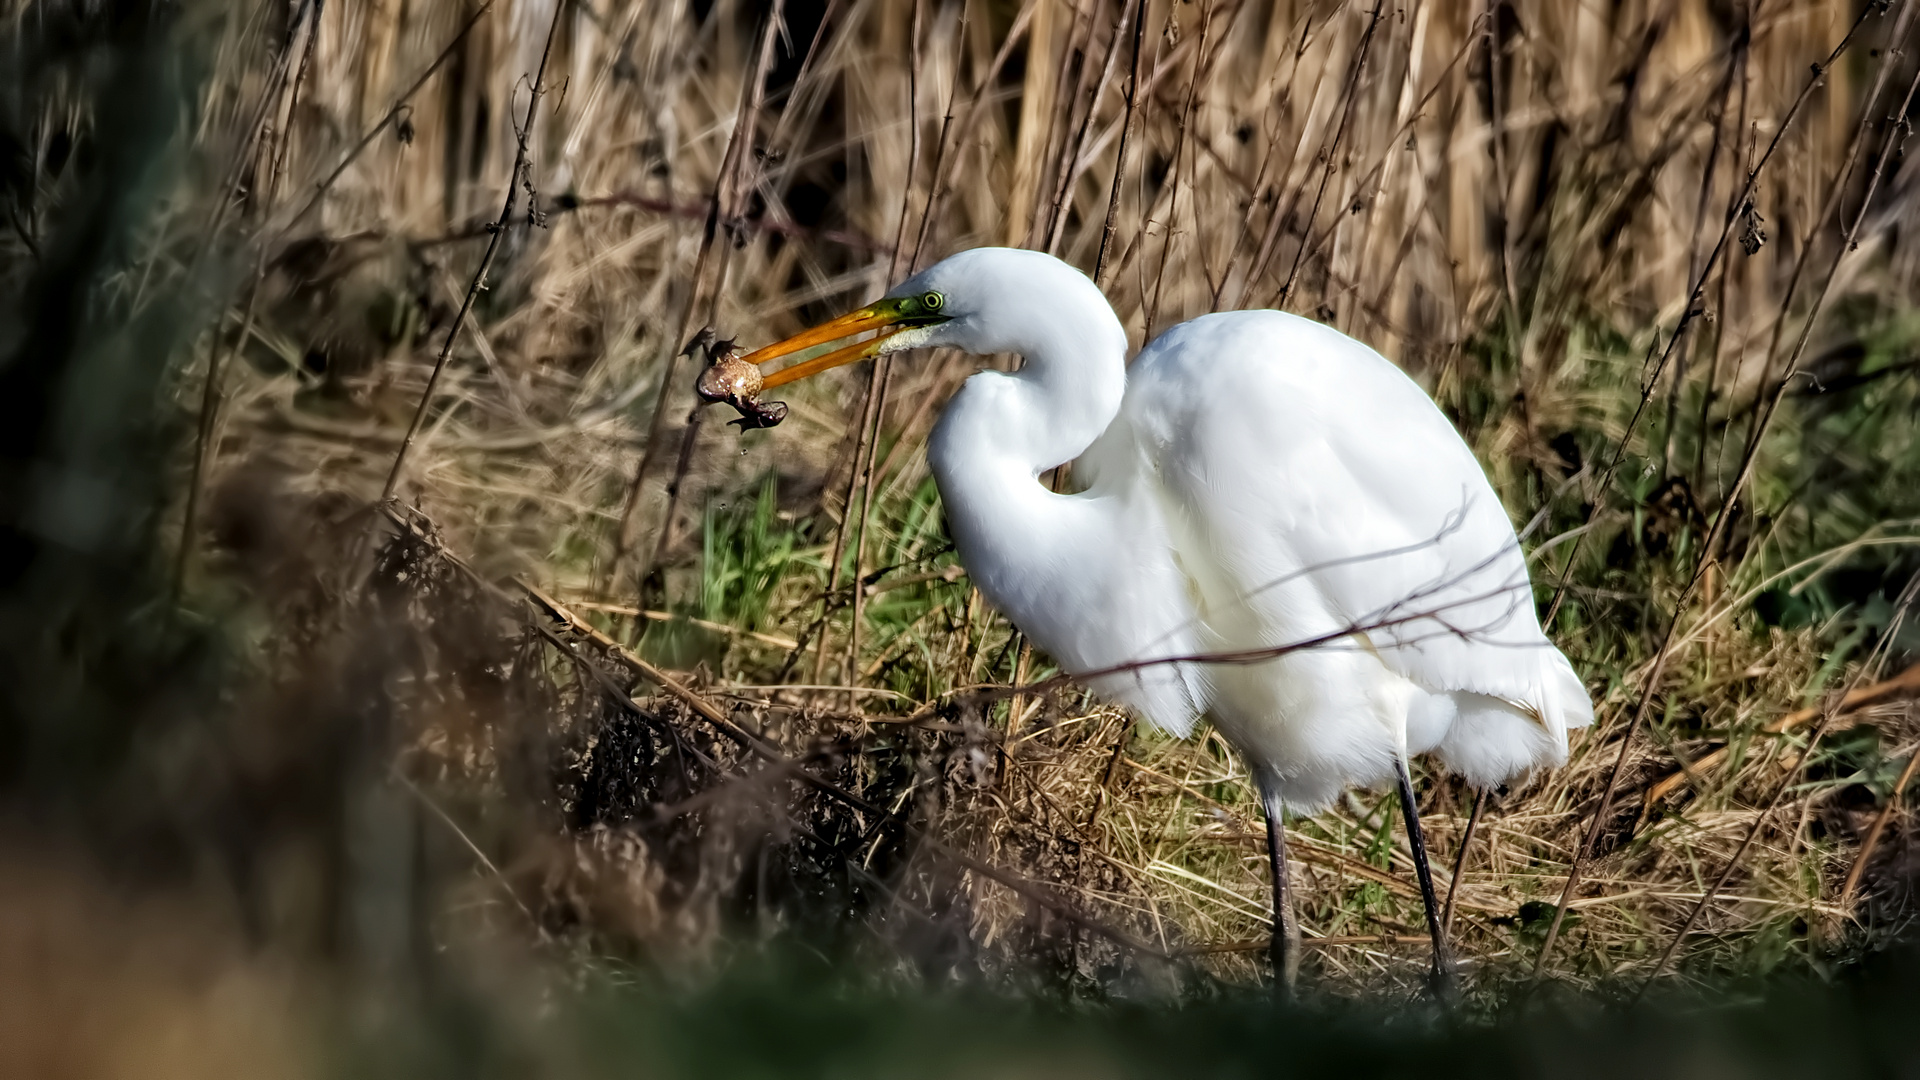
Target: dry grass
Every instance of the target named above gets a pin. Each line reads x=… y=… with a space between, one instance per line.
x=1522 y=229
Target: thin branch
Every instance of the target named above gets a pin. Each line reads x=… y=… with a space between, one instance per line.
x=873 y=400
x=1331 y=154
x=720 y=206
x=1120 y=158
x=1692 y=309
x=942 y=182
x=1070 y=153
x=400 y=104
x=522 y=169
x=212 y=390
x=1460 y=860
x=940 y=149
x=1182 y=140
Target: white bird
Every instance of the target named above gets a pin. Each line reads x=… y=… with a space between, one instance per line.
x=1279 y=531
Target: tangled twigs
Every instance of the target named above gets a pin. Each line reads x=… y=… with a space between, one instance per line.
x=416 y=526
x=1721 y=520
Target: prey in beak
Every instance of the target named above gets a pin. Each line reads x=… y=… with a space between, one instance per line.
x=739 y=381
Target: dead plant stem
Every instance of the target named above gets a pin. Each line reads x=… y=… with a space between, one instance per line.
x=1330 y=155
x=212 y=389
x=521 y=172
x=721 y=210
x=1120 y=155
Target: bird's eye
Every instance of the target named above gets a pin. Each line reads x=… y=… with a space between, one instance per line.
x=932 y=301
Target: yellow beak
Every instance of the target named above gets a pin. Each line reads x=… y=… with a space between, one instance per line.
x=854 y=322
x=889 y=317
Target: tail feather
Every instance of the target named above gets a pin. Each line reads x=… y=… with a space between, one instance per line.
x=1568 y=704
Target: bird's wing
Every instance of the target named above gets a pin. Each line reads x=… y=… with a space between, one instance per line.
x=1326 y=495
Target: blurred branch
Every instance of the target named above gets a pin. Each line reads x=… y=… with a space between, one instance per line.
x=206 y=435
x=779 y=226
x=250 y=139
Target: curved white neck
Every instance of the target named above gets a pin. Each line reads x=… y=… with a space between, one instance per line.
x=1047 y=413
x=1032 y=552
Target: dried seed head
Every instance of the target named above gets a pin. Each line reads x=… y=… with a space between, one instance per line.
x=1752 y=235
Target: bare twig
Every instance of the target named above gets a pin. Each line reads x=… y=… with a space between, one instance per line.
x=1181 y=153
x=206 y=434
x=1897 y=131
x=1070 y=152
x=1693 y=309
x=942 y=181
x=522 y=169
x=1460 y=860
x=872 y=404
x=1120 y=158
x=1330 y=155
x=720 y=207
x=940 y=150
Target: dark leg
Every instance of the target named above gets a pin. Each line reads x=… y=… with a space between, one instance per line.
x=1285 y=950
x=1442 y=956
x=1460 y=861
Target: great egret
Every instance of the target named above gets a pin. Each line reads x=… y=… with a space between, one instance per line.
x=1254 y=481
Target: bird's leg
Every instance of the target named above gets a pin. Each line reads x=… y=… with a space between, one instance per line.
x=1443 y=975
x=1460 y=861
x=1285 y=950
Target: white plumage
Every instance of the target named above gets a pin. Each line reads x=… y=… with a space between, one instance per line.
x=1255 y=480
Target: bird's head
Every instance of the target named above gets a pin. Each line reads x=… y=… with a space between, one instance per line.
x=986 y=300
